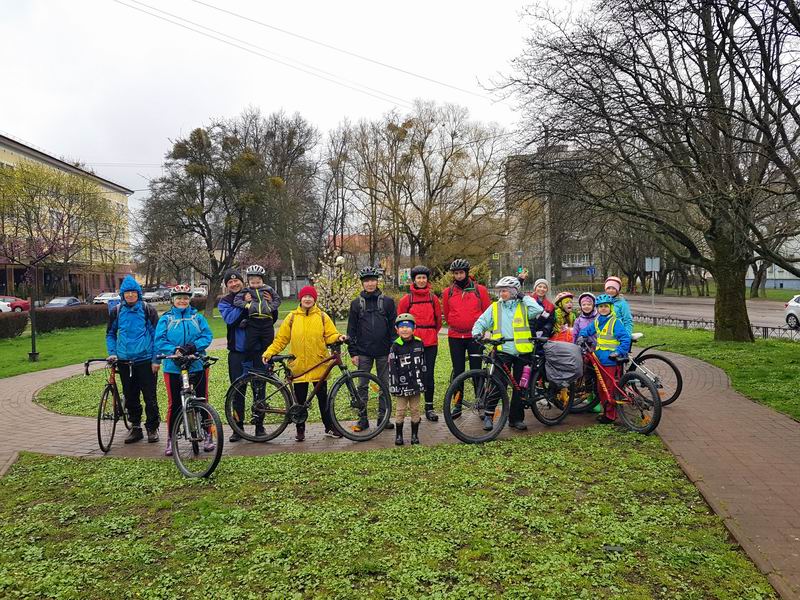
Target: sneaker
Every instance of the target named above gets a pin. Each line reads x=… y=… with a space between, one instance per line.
x=300 y=435
x=431 y=415
x=168 y=449
x=235 y=437
x=260 y=431
x=362 y=425
x=208 y=443
x=456 y=412
x=487 y=423
x=519 y=426
x=135 y=435
x=604 y=420
x=332 y=433
x=152 y=436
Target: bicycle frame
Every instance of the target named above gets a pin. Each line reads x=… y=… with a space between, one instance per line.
x=335 y=360
x=601 y=382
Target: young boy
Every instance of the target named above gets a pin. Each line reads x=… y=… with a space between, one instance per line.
x=407 y=371
x=260 y=303
x=619 y=306
x=613 y=341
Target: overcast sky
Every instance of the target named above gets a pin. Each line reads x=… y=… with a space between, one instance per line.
x=100 y=82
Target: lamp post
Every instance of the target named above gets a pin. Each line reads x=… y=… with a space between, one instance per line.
x=33 y=355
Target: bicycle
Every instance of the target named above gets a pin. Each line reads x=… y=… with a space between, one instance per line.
x=112 y=404
x=636 y=397
x=260 y=405
x=195 y=423
x=664 y=374
x=478 y=393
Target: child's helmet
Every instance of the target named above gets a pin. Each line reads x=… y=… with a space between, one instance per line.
x=604 y=299
x=509 y=282
x=460 y=264
x=369 y=272
x=562 y=296
x=587 y=295
x=180 y=290
x=255 y=270
x=405 y=318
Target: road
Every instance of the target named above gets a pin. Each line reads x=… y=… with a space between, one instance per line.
x=764 y=313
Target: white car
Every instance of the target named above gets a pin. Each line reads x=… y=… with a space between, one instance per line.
x=793 y=312
x=5 y=307
x=105 y=298
x=199 y=292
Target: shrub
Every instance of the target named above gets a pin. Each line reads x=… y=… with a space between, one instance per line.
x=12 y=324
x=199 y=303
x=50 y=319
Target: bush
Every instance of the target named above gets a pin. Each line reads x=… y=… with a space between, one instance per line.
x=480 y=272
x=199 y=303
x=12 y=324
x=50 y=319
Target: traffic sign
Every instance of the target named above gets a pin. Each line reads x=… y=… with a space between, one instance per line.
x=591 y=271
x=652 y=264
x=496 y=256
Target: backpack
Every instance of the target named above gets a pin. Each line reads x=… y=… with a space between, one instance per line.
x=150 y=313
x=362 y=305
x=411 y=300
x=452 y=289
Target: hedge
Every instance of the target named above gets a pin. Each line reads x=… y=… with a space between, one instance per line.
x=12 y=324
x=50 y=319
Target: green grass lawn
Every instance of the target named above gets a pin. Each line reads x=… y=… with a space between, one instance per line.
x=70 y=346
x=595 y=513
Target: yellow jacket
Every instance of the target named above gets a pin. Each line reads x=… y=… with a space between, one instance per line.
x=309 y=332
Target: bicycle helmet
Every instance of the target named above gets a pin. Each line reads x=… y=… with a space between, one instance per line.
x=603 y=299
x=405 y=318
x=420 y=270
x=369 y=273
x=562 y=296
x=460 y=264
x=509 y=282
x=180 y=290
x=255 y=270
x=587 y=295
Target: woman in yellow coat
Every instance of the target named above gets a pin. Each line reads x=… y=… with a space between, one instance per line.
x=309 y=330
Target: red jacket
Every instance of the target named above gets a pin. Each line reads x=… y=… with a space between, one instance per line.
x=463 y=307
x=427 y=310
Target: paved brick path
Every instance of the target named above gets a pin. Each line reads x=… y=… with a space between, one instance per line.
x=742 y=456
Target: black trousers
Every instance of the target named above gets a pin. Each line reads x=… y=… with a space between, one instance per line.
x=199 y=382
x=516 y=413
x=430 y=367
x=301 y=391
x=236 y=362
x=258 y=335
x=459 y=349
x=137 y=379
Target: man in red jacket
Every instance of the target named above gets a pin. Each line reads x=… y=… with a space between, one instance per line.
x=427 y=310
x=463 y=302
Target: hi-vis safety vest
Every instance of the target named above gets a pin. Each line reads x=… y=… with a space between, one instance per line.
x=605 y=335
x=523 y=342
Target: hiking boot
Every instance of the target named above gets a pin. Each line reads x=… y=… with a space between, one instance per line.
x=487 y=423
x=260 y=431
x=430 y=415
x=398 y=434
x=414 y=433
x=300 y=435
x=208 y=443
x=152 y=436
x=135 y=435
x=362 y=425
x=235 y=437
x=168 y=449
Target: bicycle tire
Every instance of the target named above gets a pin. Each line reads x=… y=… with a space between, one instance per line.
x=630 y=410
x=274 y=420
x=660 y=386
x=209 y=422
x=124 y=413
x=107 y=417
x=555 y=397
x=468 y=424
x=346 y=412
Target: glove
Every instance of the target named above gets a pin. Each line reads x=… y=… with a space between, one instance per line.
x=581 y=341
x=188 y=348
x=477 y=337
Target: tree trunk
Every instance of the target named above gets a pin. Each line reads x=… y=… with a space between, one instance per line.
x=731 y=321
x=759 y=279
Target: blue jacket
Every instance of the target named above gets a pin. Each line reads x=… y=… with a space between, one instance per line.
x=486 y=321
x=622 y=310
x=131 y=327
x=620 y=333
x=177 y=327
x=233 y=317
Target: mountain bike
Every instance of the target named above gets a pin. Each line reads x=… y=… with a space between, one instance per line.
x=112 y=404
x=196 y=425
x=479 y=393
x=260 y=404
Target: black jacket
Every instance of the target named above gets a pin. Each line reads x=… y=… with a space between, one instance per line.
x=370 y=331
x=407 y=367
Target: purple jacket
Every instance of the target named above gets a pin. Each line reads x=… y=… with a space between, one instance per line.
x=584 y=321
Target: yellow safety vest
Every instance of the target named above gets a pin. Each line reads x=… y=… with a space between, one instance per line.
x=523 y=342
x=605 y=336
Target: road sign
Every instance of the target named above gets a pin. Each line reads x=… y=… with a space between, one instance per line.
x=496 y=256
x=519 y=253
x=652 y=264
x=591 y=271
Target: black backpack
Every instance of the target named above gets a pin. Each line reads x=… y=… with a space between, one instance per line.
x=362 y=305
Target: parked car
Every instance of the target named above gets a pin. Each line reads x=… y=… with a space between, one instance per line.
x=5 y=307
x=793 y=312
x=155 y=296
x=17 y=304
x=105 y=298
x=199 y=292
x=63 y=302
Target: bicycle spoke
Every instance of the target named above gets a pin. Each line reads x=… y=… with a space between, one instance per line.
x=197 y=441
x=471 y=398
x=360 y=406
x=257 y=407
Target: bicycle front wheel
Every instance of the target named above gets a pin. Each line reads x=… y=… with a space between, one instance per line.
x=197 y=440
x=107 y=416
x=640 y=406
x=663 y=373
x=257 y=407
x=360 y=405
x=476 y=406
x=550 y=402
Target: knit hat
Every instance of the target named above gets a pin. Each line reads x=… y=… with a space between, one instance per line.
x=541 y=280
x=307 y=291
x=614 y=282
x=231 y=274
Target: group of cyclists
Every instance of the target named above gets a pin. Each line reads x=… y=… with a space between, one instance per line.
x=399 y=341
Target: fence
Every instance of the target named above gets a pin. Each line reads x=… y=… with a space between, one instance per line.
x=778 y=333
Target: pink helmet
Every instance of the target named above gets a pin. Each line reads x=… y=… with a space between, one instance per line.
x=562 y=296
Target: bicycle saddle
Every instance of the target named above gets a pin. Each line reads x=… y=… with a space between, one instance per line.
x=282 y=357
x=636 y=336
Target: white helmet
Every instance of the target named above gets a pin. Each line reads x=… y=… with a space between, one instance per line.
x=255 y=270
x=509 y=282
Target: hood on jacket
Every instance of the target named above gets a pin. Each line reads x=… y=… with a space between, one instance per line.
x=129 y=284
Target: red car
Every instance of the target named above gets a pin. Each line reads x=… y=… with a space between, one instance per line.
x=17 y=304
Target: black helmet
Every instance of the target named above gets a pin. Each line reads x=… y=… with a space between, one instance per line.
x=369 y=273
x=420 y=270
x=459 y=264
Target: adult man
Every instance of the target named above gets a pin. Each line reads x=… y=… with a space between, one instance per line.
x=370 y=327
x=129 y=338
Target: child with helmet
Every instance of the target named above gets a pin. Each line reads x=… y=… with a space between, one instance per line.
x=407 y=375
x=260 y=303
x=564 y=318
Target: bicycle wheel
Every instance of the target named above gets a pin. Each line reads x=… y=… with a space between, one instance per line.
x=257 y=406
x=550 y=402
x=585 y=398
x=663 y=373
x=640 y=406
x=360 y=405
x=107 y=417
x=123 y=413
x=197 y=449
x=470 y=398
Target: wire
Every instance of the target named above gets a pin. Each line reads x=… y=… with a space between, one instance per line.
x=255 y=52
x=343 y=51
